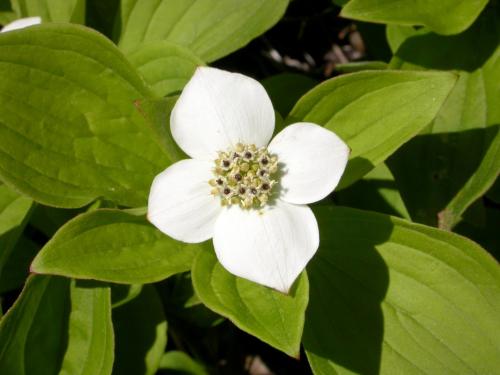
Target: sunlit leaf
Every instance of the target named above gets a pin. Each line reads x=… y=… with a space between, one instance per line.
x=209 y=28
x=52 y=10
x=443 y=16
x=69 y=128
x=374 y=112
x=273 y=317
x=111 y=245
x=390 y=297
x=60 y=326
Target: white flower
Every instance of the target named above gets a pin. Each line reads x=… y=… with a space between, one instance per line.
x=247 y=194
x=21 y=23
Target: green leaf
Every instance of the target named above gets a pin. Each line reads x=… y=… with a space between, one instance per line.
x=432 y=168
x=141 y=334
x=6 y=13
x=478 y=184
x=443 y=16
x=286 y=88
x=157 y=114
x=70 y=132
x=52 y=10
x=111 y=245
x=60 y=326
x=388 y=296
x=209 y=28
x=396 y=35
x=6 y=17
x=180 y=362
x=376 y=191
x=273 y=317
x=14 y=212
x=374 y=112
x=165 y=67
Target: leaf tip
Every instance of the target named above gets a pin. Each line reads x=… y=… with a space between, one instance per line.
x=33 y=270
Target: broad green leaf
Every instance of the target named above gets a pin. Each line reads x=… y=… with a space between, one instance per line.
x=141 y=334
x=443 y=16
x=286 y=88
x=376 y=191
x=209 y=28
x=14 y=212
x=477 y=185
x=111 y=245
x=391 y=297
x=157 y=114
x=374 y=112
x=273 y=317
x=180 y=362
x=52 y=10
x=432 y=168
x=58 y=325
x=165 y=67
x=70 y=132
x=16 y=268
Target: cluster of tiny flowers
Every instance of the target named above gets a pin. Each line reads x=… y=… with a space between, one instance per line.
x=244 y=176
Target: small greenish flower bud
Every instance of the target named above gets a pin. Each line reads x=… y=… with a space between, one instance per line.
x=244 y=167
x=244 y=176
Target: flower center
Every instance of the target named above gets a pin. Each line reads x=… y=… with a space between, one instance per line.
x=244 y=176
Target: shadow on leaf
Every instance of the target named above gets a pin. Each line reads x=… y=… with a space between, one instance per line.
x=348 y=281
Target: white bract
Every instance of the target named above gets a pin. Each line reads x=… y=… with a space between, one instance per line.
x=21 y=24
x=245 y=192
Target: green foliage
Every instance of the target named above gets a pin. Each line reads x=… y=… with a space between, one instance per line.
x=111 y=245
x=166 y=67
x=58 y=325
x=273 y=317
x=389 y=296
x=181 y=362
x=140 y=334
x=51 y=10
x=286 y=88
x=376 y=191
x=374 y=112
x=14 y=211
x=85 y=127
x=443 y=16
x=79 y=136
x=477 y=185
x=467 y=123
x=156 y=112
x=211 y=29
